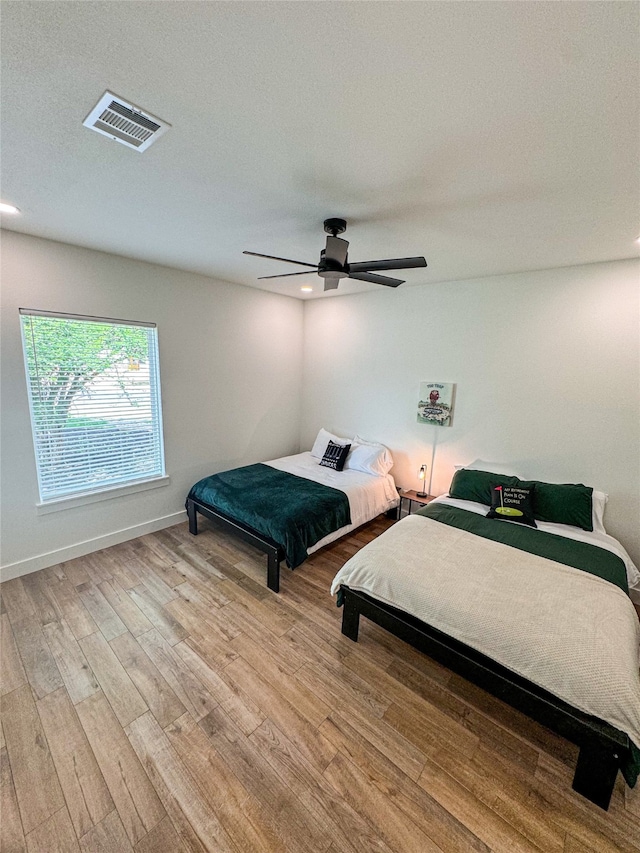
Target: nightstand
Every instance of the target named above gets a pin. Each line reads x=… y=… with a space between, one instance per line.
x=413 y=498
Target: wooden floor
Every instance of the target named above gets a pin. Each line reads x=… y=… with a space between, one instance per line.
x=158 y=698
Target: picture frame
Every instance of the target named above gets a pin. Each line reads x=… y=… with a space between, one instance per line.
x=435 y=403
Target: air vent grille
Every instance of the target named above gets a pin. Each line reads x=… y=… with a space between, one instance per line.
x=124 y=122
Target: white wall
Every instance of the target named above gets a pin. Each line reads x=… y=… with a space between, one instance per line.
x=547 y=368
x=230 y=364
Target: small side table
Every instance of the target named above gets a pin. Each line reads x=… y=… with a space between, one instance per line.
x=413 y=498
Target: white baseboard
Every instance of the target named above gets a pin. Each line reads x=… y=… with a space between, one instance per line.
x=52 y=558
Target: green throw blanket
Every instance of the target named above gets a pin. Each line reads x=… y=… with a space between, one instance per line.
x=579 y=555
x=290 y=510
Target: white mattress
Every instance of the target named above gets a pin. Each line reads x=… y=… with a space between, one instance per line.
x=369 y=494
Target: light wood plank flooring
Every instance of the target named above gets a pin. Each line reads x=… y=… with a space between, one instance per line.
x=157 y=698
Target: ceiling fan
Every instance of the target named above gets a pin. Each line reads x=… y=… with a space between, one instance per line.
x=334 y=263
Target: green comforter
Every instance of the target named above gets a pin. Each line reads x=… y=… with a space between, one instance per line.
x=290 y=510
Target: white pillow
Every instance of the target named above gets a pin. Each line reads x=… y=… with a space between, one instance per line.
x=380 y=462
x=598 y=503
x=367 y=458
x=492 y=467
x=322 y=440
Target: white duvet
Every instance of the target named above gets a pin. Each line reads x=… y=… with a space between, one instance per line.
x=567 y=631
x=368 y=494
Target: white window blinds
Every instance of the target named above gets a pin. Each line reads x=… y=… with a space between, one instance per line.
x=94 y=393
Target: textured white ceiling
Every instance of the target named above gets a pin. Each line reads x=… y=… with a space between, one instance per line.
x=491 y=137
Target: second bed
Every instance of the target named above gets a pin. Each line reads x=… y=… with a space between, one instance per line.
x=290 y=507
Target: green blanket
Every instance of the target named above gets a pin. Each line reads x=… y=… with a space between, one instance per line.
x=579 y=555
x=290 y=510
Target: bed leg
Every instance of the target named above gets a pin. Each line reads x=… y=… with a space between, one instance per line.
x=350 y=619
x=193 y=518
x=596 y=773
x=273 y=572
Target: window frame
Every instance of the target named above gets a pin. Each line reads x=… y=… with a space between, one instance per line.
x=102 y=492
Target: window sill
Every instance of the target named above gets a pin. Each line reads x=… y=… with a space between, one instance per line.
x=104 y=495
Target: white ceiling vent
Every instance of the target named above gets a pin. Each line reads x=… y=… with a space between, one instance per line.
x=124 y=122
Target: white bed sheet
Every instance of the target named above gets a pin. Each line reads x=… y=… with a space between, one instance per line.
x=601 y=540
x=369 y=494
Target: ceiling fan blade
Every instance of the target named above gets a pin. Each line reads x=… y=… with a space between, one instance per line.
x=286 y=260
x=336 y=250
x=390 y=264
x=285 y=274
x=376 y=279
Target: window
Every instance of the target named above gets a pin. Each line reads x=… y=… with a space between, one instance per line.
x=94 y=393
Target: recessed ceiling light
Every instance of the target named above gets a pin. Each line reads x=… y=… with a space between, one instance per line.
x=306 y=288
x=637 y=239
x=8 y=208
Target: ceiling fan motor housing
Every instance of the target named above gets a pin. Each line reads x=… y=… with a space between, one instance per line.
x=330 y=268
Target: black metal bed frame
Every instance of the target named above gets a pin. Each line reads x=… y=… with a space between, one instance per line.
x=602 y=747
x=275 y=553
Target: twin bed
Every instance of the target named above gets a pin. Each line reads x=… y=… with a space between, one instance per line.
x=540 y=618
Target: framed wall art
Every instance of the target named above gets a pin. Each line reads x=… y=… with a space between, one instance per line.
x=435 y=405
